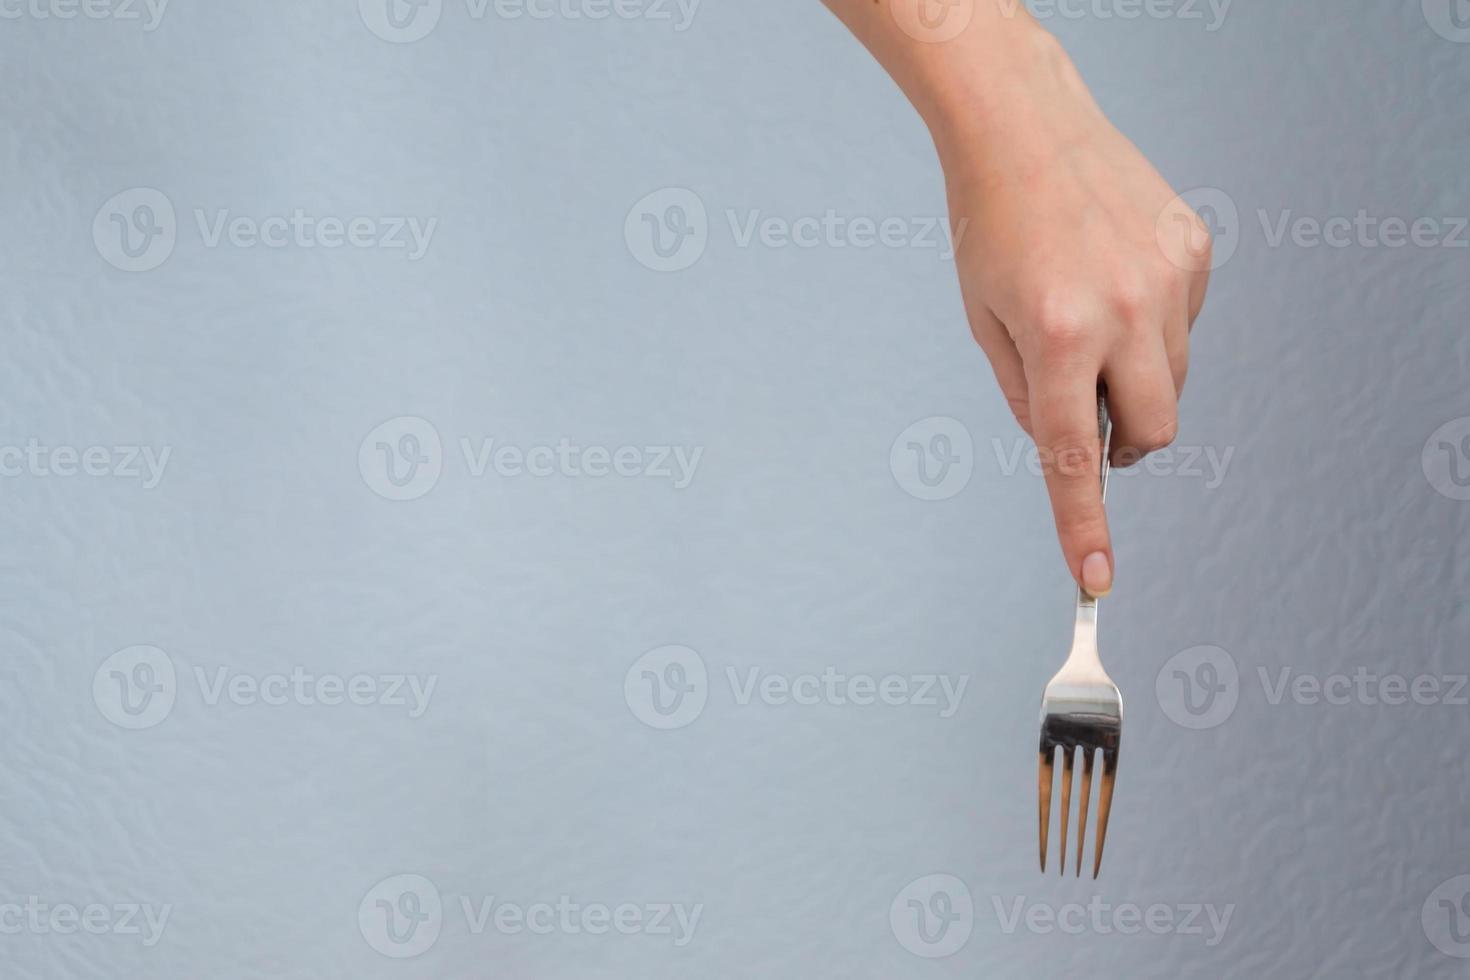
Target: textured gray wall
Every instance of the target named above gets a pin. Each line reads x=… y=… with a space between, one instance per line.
x=205 y=541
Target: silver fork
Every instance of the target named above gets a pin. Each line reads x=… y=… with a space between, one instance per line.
x=1082 y=712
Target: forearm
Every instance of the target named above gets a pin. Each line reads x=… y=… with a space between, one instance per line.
x=973 y=85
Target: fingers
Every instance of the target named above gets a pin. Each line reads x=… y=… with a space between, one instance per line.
x=1176 y=348
x=1199 y=284
x=1176 y=336
x=1005 y=361
x=1064 y=414
x=1143 y=400
x=1138 y=342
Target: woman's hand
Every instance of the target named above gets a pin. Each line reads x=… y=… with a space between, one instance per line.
x=1076 y=260
x=1066 y=280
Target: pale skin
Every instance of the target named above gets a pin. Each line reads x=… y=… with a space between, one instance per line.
x=1078 y=262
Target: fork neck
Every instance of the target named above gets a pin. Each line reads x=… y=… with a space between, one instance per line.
x=1084 y=636
x=1084 y=639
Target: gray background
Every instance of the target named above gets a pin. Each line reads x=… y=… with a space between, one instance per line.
x=265 y=547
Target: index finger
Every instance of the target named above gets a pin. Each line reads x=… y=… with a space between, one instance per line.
x=1065 y=416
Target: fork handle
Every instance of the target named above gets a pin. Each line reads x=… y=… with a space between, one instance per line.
x=1086 y=603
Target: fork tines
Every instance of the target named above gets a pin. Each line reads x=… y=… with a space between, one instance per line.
x=1102 y=738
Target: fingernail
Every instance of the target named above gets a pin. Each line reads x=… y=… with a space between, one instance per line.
x=1097 y=574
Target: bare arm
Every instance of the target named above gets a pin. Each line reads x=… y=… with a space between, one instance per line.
x=1078 y=262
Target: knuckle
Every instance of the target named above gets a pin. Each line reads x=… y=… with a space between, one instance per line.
x=1201 y=244
x=1161 y=435
x=1071 y=458
x=1179 y=369
x=1200 y=235
x=1204 y=237
x=1021 y=409
x=1059 y=333
x=1061 y=322
x=1133 y=297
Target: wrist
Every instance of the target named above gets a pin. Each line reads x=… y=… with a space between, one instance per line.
x=995 y=90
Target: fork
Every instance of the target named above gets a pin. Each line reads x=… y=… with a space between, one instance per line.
x=1082 y=712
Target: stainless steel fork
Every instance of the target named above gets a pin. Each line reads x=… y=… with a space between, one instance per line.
x=1082 y=713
